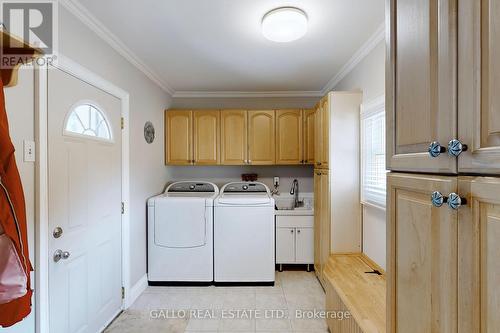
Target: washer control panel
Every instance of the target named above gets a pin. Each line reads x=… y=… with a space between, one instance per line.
x=245 y=187
x=190 y=187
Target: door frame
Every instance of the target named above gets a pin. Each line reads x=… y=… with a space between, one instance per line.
x=42 y=255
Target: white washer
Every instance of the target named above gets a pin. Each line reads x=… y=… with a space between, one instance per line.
x=244 y=234
x=180 y=233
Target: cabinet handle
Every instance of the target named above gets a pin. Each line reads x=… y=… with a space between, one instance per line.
x=435 y=149
x=438 y=199
x=455 y=148
x=455 y=201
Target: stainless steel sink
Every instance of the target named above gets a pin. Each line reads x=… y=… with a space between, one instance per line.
x=288 y=204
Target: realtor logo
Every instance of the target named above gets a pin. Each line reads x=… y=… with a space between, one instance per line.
x=33 y=22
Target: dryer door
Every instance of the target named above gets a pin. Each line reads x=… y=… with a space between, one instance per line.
x=180 y=222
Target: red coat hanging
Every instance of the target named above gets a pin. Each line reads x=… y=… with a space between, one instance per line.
x=15 y=267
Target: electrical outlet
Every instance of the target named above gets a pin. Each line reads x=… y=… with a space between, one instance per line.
x=276 y=181
x=29 y=151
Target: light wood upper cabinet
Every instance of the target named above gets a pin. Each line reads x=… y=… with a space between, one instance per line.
x=261 y=137
x=318 y=135
x=422 y=256
x=308 y=145
x=421 y=84
x=178 y=137
x=206 y=137
x=322 y=133
x=479 y=267
x=479 y=79
x=289 y=137
x=234 y=144
x=325 y=132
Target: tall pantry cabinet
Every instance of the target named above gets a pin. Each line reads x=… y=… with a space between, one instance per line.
x=443 y=125
x=337 y=219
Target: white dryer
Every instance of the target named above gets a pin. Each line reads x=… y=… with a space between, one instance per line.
x=244 y=234
x=180 y=233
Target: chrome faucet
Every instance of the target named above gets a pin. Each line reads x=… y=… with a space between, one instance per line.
x=295 y=192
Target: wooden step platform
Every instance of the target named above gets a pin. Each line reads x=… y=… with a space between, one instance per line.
x=350 y=288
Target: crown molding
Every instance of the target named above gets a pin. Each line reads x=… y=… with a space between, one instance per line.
x=356 y=58
x=243 y=94
x=82 y=13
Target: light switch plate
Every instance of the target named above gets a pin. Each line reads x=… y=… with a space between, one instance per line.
x=29 y=151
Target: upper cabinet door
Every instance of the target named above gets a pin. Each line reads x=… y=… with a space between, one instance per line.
x=421 y=84
x=479 y=79
x=478 y=265
x=234 y=144
x=261 y=140
x=178 y=145
x=318 y=135
x=289 y=137
x=206 y=137
x=309 y=126
x=324 y=151
x=422 y=255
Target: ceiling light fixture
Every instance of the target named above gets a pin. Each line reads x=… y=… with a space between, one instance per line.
x=284 y=24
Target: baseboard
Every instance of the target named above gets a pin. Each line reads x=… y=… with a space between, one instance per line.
x=136 y=291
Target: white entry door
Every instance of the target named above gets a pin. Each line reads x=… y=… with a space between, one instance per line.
x=84 y=148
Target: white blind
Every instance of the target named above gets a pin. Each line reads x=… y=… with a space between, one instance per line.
x=373 y=153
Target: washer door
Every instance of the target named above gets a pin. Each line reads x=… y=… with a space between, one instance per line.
x=180 y=222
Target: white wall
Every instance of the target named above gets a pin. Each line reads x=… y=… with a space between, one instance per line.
x=369 y=77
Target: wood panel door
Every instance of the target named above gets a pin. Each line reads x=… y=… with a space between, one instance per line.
x=317 y=222
x=179 y=138
x=289 y=139
x=318 y=135
x=261 y=139
x=421 y=84
x=206 y=137
x=422 y=255
x=325 y=229
x=308 y=145
x=479 y=248
x=479 y=79
x=234 y=144
x=324 y=150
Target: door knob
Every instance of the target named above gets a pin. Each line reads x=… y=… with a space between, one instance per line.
x=58 y=231
x=435 y=149
x=455 y=201
x=60 y=254
x=438 y=199
x=455 y=148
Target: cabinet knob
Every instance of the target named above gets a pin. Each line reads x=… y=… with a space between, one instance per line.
x=291 y=231
x=438 y=199
x=435 y=149
x=298 y=231
x=455 y=201
x=455 y=148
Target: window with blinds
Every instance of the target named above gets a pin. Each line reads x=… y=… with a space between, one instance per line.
x=373 y=173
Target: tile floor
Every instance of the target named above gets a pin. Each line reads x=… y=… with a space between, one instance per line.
x=228 y=309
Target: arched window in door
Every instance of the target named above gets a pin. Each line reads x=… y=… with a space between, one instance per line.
x=87 y=120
